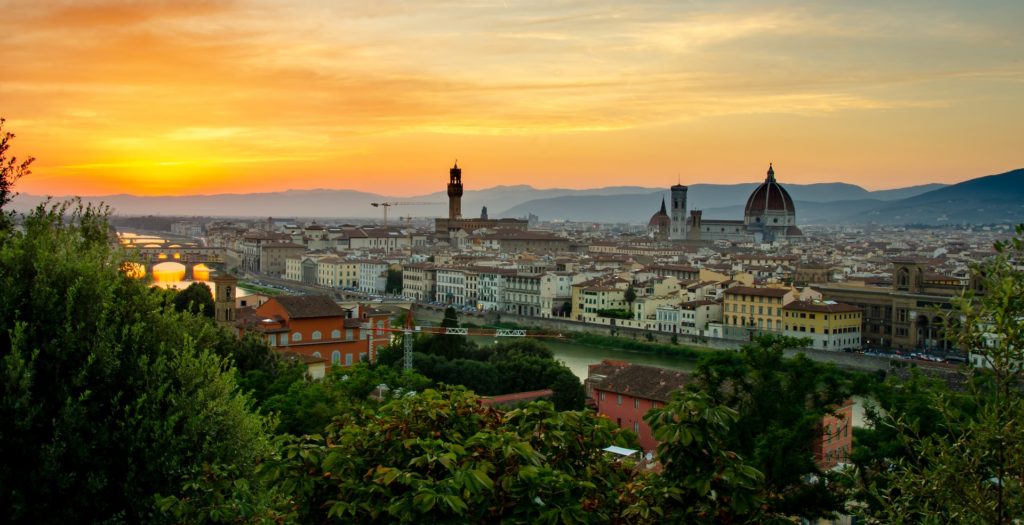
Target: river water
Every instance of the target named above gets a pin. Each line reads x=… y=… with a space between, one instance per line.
x=578 y=357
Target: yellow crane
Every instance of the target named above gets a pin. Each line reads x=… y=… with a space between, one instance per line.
x=387 y=205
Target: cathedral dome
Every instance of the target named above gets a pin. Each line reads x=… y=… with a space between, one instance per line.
x=769 y=197
x=661 y=218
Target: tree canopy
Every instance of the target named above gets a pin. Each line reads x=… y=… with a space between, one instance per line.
x=109 y=397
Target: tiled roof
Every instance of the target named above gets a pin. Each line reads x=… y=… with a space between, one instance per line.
x=647 y=382
x=309 y=306
x=759 y=292
x=828 y=308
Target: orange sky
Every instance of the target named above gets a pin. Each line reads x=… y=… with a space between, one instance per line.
x=187 y=96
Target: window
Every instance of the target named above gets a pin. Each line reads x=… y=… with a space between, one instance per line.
x=335 y=357
x=602 y=396
x=348 y=359
x=284 y=339
x=636 y=427
x=618 y=399
x=636 y=402
x=296 y=337
x=272 y=340
x=362 y=356
x=348 y=334
x=316 y=335
x=316 y=354
x=335 y=334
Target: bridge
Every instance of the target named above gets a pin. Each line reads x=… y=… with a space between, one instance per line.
x=188 y=255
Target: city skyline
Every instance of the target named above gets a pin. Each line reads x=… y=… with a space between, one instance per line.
x=194 y=97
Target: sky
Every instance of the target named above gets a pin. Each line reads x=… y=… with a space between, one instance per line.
x=201 y=97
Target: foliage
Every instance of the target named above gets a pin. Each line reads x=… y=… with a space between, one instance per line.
x=604 y=341
x=780 y=403
x=109 y=397
x=703 y=479
x=307 y=407
x=630 y=295
x=393 y=285
x=503 y=368
x=10 y=171
x=963 y=461
x=197 y=298
x=615 y=313
x=441 y=457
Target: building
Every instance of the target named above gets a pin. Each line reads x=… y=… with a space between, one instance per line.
x=624 y=394
x=769 y=216
x=419 y=281
x=274 y=254
x=836 y=441
x=747 y=309
x=444 y=228
x=678 y=231
x=828 y=324
x=315 y=326
x=660 y=225
x=908 y=313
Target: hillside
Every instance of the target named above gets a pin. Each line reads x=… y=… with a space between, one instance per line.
x=990 y=199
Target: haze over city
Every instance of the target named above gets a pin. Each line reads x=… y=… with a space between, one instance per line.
x=192 y=97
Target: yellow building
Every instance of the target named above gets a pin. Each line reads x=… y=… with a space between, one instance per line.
x=746 y=309
x=598 y=294
x=829 y=325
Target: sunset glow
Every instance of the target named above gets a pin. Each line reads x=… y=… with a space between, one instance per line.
x=190 y=96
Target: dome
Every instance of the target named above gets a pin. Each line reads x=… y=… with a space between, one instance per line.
x=661 y=218
x=770 y=196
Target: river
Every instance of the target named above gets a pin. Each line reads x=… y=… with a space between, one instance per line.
x=578 y=357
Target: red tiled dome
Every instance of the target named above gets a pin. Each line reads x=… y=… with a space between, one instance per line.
x=660 y=218
x=769 y=196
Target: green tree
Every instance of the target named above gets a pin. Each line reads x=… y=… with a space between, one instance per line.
x=10 y=171
x=703 y=479
x=967 y=464
x=630 y=296
x=196 y=298
x=780 y=403
x=441 y=457
x=108 y=397
x=393 y=285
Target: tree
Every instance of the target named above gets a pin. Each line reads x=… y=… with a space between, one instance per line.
x=196 y=298
x=630 y=296
x=108 y=396
x=442 y=457
x=393 y=284
x=10 y=171
x=969 y=467
x=780 y=403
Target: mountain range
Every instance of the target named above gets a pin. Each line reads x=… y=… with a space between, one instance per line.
x=994 y=198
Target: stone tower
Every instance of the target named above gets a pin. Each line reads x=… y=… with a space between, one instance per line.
x=455 y=193
x=224 y=299
x=678 y=230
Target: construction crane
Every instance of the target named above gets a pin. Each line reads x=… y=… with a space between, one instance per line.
x=387 y=205
x=409 y=330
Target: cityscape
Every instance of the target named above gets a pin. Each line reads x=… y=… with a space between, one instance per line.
x=651 y=263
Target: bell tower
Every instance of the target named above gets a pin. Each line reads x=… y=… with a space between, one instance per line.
x=224 y=299
x=678 y=212
x=455 y=193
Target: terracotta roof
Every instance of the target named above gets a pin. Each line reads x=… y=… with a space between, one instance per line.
x=828 y=308
x=647 y=382
x=309 y=306
x=758 y=292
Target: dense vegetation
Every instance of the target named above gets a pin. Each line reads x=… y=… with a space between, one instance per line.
x=503 y=368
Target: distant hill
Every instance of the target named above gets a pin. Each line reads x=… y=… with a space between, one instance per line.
x=324 y=203
x=718 y=201
x=996 y=196
x=990 y=199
